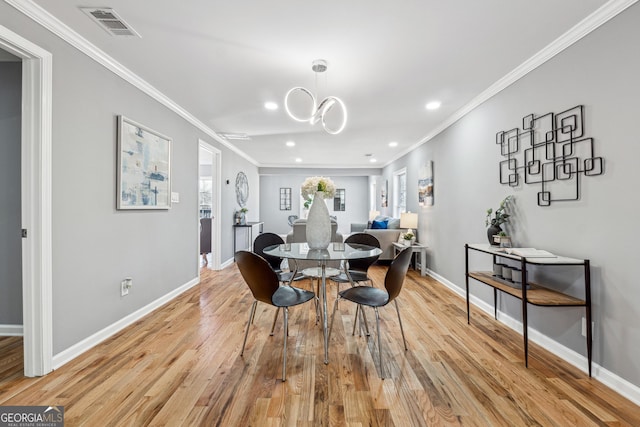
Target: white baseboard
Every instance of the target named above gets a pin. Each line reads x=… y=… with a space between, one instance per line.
x=11 y=331
x=227 y=263
x=91 y=341
x=608 y=378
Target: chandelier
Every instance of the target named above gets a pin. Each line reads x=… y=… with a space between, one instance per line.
x=318 y=111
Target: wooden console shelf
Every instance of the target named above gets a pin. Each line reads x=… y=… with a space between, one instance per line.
x=533 y=293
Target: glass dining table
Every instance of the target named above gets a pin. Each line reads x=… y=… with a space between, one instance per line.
x=335 y=252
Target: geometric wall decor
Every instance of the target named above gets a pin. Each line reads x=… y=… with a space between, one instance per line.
x=552 y=151
x=285 y=199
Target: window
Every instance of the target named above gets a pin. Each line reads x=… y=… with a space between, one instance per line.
x=399 y=192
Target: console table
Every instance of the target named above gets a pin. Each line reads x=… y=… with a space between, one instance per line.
x=529 y=292
x=249 y=228
x=416 y=247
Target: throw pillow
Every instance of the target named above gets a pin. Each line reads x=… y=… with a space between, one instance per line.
x=393 y=223
x=379 y=225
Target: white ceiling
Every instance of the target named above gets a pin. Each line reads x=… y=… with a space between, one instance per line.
x=222 y=60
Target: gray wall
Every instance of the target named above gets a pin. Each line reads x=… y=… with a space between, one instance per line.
x=600 y=71
x=275 y=220
x=10 y=221
x=94 y=245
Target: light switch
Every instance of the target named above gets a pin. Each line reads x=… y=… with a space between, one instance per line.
x=175 y=197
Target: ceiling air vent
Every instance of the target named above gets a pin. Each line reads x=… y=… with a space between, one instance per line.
x=109 y=20
x=234 y=136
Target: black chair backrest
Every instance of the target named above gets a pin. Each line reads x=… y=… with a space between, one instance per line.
x=265 y=240
x=362 y=264
x=394 y=278
x=260 y=277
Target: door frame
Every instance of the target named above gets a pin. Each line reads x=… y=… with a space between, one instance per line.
x=36 y=162
x=216 y=211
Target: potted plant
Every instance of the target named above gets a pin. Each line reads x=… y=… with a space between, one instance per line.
x=408 y=238
x=500 y=216
x=240 y=216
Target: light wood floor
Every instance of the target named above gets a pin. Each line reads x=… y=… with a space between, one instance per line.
x=181 y=366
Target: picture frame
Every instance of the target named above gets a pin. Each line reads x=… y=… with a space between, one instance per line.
x=339 y=200
x=425 y=185
x=144 y=167
x=285 y=199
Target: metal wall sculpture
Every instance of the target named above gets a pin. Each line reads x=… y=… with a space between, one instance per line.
x=555 y=154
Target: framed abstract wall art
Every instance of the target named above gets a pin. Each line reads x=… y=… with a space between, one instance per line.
x=144 y=167
x=425 y=185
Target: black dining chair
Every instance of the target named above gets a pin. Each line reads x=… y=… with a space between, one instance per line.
x=265 y=287
x=375 y=297
x=263 y=241
x=358 y=268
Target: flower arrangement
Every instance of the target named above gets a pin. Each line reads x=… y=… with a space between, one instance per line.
x=500 y=216
x=239 y=216
x=314 y=184
x=408 y=235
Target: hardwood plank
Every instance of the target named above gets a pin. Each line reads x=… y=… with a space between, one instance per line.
x=181 y=365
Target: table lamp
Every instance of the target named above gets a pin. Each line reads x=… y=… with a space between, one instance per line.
x=408 y=220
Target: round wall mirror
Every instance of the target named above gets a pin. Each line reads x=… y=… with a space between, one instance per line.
x=242 y=189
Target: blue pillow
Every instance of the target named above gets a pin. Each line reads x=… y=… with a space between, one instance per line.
x=379 y=225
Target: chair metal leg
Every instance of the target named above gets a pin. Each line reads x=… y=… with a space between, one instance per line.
x=284 y=351
x=333 y=315
x=363 y=320
x=273 y=325
x=317 y=300
x=401 y=328
x=251 y=313
x=355 y=320
x=253 y=317
x=379 y=340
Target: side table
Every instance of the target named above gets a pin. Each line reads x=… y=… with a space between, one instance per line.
x=416 y=247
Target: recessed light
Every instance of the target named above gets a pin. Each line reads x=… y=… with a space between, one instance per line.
x=372 y=160
x=298 y=160
x=270 y=105
x=433 y=105
x=393 y=144
x=290 y=144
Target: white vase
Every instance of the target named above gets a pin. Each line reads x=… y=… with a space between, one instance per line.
x=318 y=223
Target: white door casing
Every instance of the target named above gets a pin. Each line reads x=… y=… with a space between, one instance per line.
x=36 y=177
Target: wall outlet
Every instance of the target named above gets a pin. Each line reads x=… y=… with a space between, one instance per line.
x=125 y=285
x=584 y=326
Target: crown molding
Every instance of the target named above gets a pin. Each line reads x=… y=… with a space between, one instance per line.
x=60 y=29
x=577 y=32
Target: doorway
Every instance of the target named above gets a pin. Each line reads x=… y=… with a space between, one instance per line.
x=11 y=343
x=35 y=193
x=209 y=178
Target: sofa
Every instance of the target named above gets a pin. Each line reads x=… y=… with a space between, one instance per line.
x=298 y=234
x=386 y=236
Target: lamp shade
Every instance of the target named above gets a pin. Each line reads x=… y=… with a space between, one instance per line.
x=408 y=220
x=373 y=215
